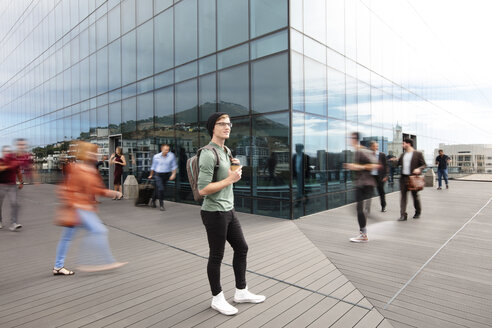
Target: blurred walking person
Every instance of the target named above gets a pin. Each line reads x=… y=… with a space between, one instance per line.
x=364 y=163
x=442 y=162
x=9 y=174
x=77 y=193
x=26 y=161
x=380 y=174
x=118 y=160
x=164 y=166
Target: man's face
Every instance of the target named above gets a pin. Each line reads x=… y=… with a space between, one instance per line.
x=165 y=150
x=6 y=151
x=21 y=146
x=375 y=146
x=441 y=153
x=222 y=128
x=405 y=145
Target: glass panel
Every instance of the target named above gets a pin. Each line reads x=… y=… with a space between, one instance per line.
x=233 y=56
x=315 y=148
x=315 y=50
x=351 y=98
x=129 y=90
x=239 y=144
x=114 y=29
x=206 y=27
x=336 y=94
x=164 y=105
x=145 y=50
x=114 y=95
x=185 y=72
x=128 y=115
x=315 y=87
x=186 y=102
x=129 y=58
x=267 y=16
x=207 y=64
x=76 y=126
x=335 y=25
x=102 y=32
x=115 y=64
x=145 y=112
x=207 y=97
x=164 y=79
x=233 y=91
x=296 y=14
x=299 y=160
x=297 y=81
x=102 y=121
x=271 y=162
x=269 y=44
x=270 y=84
x=84 y=43
x=163 y=41
x=115 y=118
x=160 y=5
x=364 y=103
x=144 y=10
x=335 y=60
x=232 y=22
x=315 y=20
x=185 y=14
x=145 y=85
x=102 y=70
x=127 y=15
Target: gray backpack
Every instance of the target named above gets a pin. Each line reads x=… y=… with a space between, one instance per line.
x=193 y=169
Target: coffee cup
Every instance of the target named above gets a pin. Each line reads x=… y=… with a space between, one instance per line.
x=235 y=166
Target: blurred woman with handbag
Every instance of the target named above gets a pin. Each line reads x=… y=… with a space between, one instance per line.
x=77 y=192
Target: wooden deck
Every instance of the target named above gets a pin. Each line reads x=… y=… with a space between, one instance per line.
x=165 y=284
x=454 y=289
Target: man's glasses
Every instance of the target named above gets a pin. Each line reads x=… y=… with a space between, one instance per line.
x=224 y=124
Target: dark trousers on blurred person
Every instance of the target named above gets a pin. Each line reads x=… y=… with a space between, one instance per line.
x=9 y=191
x=380 y=188
x=362 y=193
x=160 y=183
x=403 y=203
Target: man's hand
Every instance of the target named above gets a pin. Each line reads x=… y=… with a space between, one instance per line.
x=385 y=179
x=235 y=176
x=172 y=177
x=149 y=177
x=21 y=185
x=416 y=171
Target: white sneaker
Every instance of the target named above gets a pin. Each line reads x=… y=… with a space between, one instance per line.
x=15 y=226
x=219 y=303
x=361 y=238
x=245 y=296
x=1 y=226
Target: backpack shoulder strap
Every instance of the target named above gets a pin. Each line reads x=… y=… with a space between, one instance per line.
x=217 y=159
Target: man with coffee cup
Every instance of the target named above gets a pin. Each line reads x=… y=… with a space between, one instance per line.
x=219 y=217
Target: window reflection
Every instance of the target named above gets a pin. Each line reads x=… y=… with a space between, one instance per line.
x=185 y=15
x=267 y=16
x=233 y=83
x=232 y=24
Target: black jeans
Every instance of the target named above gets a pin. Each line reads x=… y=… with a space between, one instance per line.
x=160 y=184
x=222 y=226
x=380 y=188
x=362 y=193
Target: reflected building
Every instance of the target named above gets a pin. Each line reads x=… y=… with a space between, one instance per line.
x=138 y=73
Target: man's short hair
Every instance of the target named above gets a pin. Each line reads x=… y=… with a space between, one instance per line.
x=165 y=144
x=408 y=141
x=372 y=142
x=355 y=135
x=440 y=150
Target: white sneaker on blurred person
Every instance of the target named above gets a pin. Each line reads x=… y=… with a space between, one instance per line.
x=1 y=226
x=219 y=303
x=15 y=226
x=245 y=296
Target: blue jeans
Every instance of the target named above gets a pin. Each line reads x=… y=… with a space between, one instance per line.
x=442 y=173
x=95 y=245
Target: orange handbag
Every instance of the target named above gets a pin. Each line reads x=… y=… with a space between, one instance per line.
x=416 y=182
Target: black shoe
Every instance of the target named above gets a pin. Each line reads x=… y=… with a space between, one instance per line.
x=163 y=208
x=383 y=209
x=447 y=187
x=152 y=204
x=402 y=218
x=416 y=216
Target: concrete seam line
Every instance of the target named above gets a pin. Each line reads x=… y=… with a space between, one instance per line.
x=250 y=271
x=434 y=255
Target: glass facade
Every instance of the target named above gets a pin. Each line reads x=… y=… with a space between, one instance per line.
x=295 y=76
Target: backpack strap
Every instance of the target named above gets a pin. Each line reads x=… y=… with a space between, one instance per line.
x=217 y=160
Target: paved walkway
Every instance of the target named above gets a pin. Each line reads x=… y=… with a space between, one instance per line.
x=477 y=177
x=431 y=272
x=165 y=283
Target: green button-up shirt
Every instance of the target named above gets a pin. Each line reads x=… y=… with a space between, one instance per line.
x=222 y=200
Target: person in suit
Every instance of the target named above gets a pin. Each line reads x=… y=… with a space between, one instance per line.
x=301 y=170
x=412 y=163
x=380 y=174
